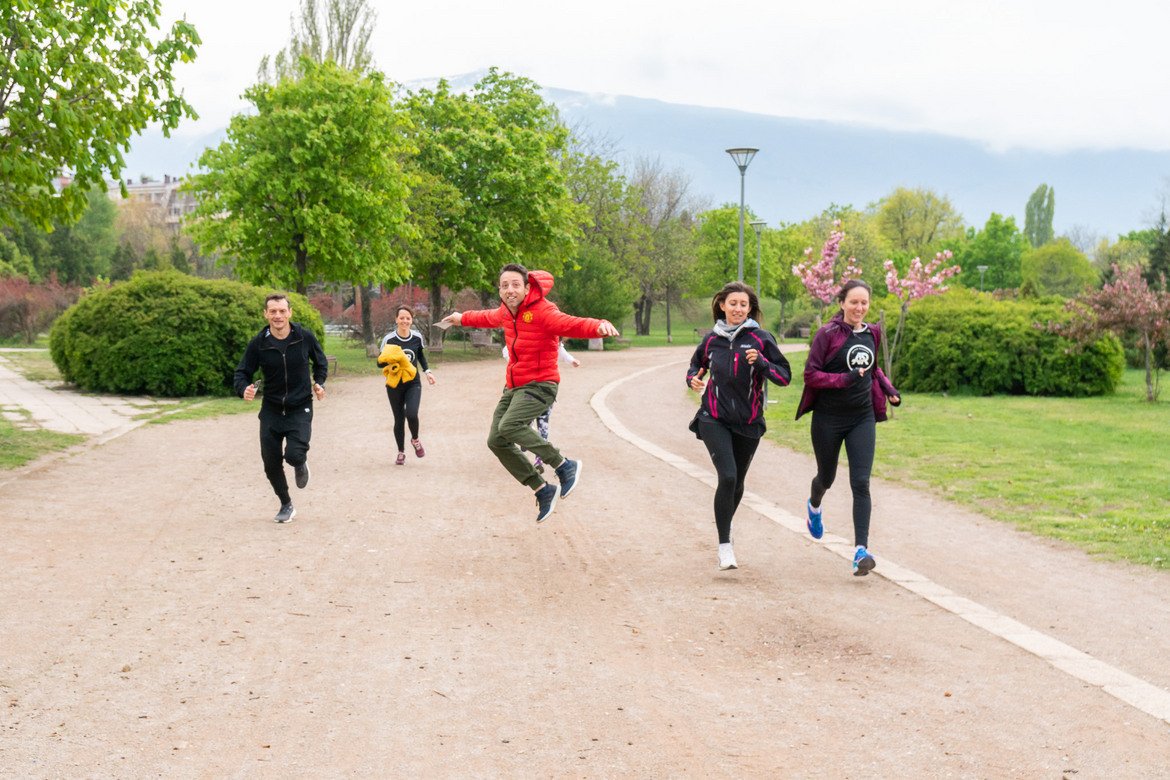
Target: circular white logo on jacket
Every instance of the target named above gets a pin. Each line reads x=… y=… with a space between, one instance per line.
x=859 y=356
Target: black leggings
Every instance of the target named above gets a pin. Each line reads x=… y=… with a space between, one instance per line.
x=858 y=434
x=404 y=401
x=731 y=455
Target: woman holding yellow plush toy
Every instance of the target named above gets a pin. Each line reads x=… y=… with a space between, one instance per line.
x=400 y=358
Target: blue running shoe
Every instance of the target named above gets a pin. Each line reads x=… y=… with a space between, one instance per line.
x=546 y=499
x=863 y=562
x=815 y=528
x=569 y=473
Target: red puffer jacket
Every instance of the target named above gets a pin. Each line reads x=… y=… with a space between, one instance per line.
x=533 y=332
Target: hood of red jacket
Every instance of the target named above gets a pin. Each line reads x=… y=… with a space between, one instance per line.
x=540 y=284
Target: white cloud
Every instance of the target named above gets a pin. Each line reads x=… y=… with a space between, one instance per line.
x=1053 y=75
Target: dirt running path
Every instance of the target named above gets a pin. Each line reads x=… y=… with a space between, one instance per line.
x=414 y=619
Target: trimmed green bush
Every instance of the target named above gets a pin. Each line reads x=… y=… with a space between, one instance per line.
x=164 y=334
x=964 y=342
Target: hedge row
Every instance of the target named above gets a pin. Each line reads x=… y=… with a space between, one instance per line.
x=964 y=342
x=163 y=334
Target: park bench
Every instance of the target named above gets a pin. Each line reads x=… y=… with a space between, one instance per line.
x=481 y=339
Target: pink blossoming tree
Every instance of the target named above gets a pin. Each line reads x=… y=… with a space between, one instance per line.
x=820 y=277
x=1128 y=308
x=919 y=282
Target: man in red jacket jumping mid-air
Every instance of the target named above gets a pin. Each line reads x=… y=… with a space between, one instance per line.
x=532 y=327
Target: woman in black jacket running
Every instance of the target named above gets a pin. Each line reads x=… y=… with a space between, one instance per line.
x=730 y=367
x=405 y=396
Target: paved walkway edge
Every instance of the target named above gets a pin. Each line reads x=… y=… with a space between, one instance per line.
x=1132 y=690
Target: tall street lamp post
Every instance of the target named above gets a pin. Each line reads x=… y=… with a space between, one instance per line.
x=742 y=156
x=981 y=269
x=758 y=225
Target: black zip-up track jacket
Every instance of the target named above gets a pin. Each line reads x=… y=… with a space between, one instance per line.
x=735 y=393
x=288 y=381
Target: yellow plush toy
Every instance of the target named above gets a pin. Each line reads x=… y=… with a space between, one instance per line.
x=396 y=366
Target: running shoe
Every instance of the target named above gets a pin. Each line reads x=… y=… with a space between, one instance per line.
x=816 y=529
x=286 y=513
x=863 y=562
x=726 y=557
x=302 y=474
x=569 y=474
x=418 y=448
x=546 y=500
x=401 y=459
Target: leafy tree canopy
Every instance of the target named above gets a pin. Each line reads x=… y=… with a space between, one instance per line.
x=79 y=80
x=1058 y=268
x=998 y=247
x=915 y=222
x=311 y=186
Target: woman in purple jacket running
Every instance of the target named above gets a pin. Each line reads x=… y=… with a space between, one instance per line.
x=846 y=392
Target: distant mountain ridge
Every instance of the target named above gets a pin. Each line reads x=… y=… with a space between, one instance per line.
x=805 y=165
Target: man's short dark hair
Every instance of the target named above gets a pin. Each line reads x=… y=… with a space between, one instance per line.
x=277 y=297
x=515 y=268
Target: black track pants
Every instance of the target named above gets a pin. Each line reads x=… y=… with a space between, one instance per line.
x=284 y=437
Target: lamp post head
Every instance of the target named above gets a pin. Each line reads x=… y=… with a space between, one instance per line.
x=758 y=225
x=980 y=268
x=742 y=156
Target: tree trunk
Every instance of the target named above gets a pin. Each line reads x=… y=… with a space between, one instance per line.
x=1150 y=395
x=367 y=317
x=668 y=339
x=780 y=325
x=436 y=335
x=302 y=261
x=642 y=315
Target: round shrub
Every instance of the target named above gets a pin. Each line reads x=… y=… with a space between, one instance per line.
x=963 y=342
x=164 y=334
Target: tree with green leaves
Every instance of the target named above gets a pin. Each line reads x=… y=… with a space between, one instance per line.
x=781 y=245
x=310 y=186
x=668 y=211
x=14 y=262
x=1058 y=268
x=717 y=249
x=1038 y=215
x=489 y=188
x=916 y=222
x=1158 y=266
x=998 y=247
x=78 y=81
x=336 y=31
x=598 y=276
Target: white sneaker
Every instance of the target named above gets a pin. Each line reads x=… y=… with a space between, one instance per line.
x=726 y=557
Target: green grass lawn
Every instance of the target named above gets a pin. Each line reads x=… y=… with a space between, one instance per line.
x=19 y=446
x=37 y=366
x=1090 y=471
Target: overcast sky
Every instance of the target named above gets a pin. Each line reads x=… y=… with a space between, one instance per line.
x=1043 y=74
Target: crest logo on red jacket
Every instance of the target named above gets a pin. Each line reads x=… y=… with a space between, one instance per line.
x=527 y=316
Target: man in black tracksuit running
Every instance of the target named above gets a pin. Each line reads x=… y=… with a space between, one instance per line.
x=283 y=352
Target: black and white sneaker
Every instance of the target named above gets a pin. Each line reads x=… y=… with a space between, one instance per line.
x=302 y=473
x=569 y=473
x=546 y=499
x=286 y=513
